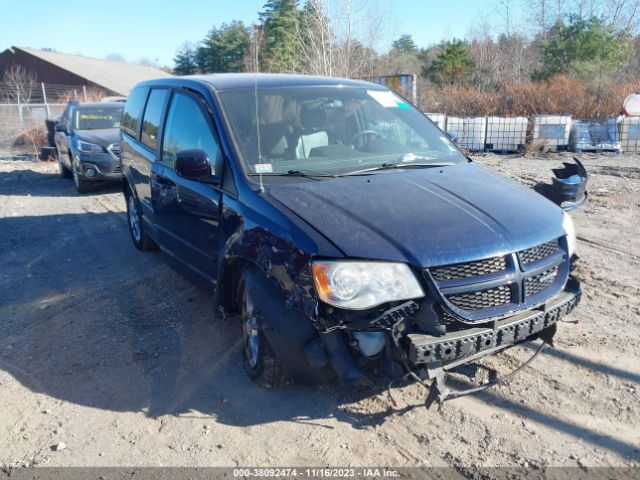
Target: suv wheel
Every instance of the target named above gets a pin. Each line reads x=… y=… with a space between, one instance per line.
x=259 y=361
x=63 y=170
x=141 y=239
x=81 y=185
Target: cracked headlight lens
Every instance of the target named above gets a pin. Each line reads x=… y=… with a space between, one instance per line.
x=359 y=285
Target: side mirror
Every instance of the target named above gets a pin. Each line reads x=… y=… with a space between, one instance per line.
x=60 y=127
x=193 y=164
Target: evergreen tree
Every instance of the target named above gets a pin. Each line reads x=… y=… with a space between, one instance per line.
x=452 y=65
x=185 y=60
x=280 y=22
x=224 y=49
x=585 y=48
x=405 y=44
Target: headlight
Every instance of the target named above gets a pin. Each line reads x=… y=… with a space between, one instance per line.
x=360 y=285
x=567 y=224
x=86 y=147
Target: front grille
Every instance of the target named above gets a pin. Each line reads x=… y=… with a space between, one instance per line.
x=470 y=269
x=539 y=252
x=539 y=282
x=491 y=297
x=490 y=288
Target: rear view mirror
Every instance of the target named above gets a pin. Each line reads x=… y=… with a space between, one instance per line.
x=568 y=188
x=193 y=164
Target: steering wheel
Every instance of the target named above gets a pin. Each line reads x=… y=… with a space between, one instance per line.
x=362 y=133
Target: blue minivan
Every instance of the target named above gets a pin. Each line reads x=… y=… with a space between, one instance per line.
x=346 y=233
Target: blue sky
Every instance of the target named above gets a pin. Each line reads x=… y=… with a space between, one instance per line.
x=155 y=29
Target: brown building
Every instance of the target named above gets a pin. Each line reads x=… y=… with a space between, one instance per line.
x=117 y=78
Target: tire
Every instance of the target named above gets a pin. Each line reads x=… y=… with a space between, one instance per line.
x=63 y=170
x=258 y=359
x=82 y=186
x=141 y=239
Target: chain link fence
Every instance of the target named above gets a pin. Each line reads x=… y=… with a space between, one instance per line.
x=24 y=110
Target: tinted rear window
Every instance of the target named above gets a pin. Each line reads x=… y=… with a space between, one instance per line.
x=133 y=110
x=97 y=118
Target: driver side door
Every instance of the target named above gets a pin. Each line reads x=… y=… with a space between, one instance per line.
x=187 y=212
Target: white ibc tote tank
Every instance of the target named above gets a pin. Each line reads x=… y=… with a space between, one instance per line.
x=630 y=134
x=506 y=134
x=551 y=132
x=440 y=119
x=470 y=132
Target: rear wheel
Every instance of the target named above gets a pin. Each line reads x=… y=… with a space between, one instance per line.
x=81 y=185
x=140 y=237
x=259 y=361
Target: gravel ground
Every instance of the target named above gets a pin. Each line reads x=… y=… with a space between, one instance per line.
x=108 y=357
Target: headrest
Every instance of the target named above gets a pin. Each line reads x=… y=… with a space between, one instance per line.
x=313 y=118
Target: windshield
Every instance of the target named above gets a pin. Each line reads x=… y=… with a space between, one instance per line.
x=97 y=118
x=331 y=130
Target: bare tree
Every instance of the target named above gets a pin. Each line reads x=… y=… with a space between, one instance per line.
x=623 y=13
x=316 y=38
x=115 y=57
x=147 y=62
x=20 y=83
x=541 y=10
x=338 y=37
x=256 y=42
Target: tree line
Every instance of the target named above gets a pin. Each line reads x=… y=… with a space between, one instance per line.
x=507 y=64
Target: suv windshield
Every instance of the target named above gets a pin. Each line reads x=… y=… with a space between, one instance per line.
x=331 y=130
x=97 y=118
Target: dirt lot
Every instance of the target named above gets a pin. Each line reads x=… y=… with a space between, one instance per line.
x=112 y=353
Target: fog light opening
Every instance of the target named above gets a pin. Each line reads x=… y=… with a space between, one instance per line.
x=370 y=343
x=90 y=172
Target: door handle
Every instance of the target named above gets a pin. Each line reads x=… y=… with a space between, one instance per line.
x=161 y=181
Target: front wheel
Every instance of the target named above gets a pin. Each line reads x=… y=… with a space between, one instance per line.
x=259 y=361
x=140 y=237
x=63 y=170
x=81 y=185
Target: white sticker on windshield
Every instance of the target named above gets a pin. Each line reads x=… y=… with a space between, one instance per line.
x=263 y=168
x=385 y=98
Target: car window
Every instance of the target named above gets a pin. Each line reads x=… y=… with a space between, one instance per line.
x=151 y=118
x=96 y=118
x=133 y=110
x=186 y=128
x=331 y=130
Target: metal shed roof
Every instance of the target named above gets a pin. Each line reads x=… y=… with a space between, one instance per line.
x=119 y=77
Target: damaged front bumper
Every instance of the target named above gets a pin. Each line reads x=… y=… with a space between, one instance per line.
x=429 y=351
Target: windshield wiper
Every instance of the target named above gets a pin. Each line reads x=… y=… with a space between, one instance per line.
x=297 y=173
x=399 y=165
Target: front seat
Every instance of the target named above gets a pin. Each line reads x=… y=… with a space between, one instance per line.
x=312 y=135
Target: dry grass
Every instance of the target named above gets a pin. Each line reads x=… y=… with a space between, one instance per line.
x=559 y=95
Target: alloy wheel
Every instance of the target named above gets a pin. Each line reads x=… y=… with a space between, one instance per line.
x=134 y=219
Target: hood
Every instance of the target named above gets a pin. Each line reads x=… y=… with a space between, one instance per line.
x=426 y=217
x=103 y=136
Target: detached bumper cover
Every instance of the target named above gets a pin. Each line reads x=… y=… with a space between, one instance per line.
x=428 y=349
